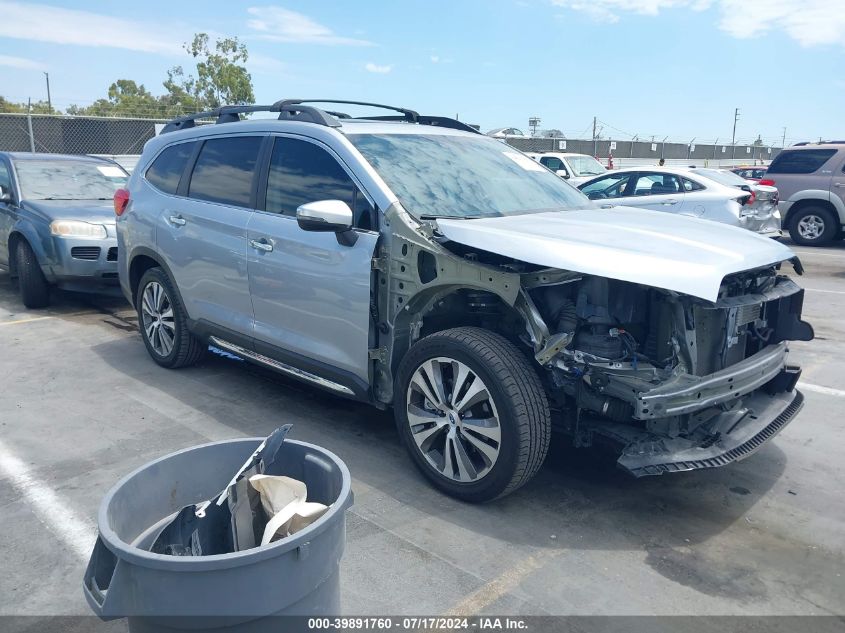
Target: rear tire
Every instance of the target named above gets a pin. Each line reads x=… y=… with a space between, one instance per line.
x=474 y=447
x=163 y=322
x=813 y=226
x=34 y=289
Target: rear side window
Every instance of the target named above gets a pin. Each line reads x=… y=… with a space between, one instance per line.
x=224 y=170
x=800 y=161
x=166 y=170
x=301 y=172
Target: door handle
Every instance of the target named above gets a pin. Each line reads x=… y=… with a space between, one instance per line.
x=669 y=202
x=606 y=206
x=177 y=220
x=839 y=184
x=261 y=245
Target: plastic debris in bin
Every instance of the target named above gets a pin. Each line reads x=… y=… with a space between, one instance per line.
x=231 y=522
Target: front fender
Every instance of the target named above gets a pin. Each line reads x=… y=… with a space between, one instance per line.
x=39 y=238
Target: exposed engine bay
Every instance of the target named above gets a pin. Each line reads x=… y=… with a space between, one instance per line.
x=676 y=379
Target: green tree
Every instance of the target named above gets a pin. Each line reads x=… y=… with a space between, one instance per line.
x=221 y=78
x=39 y=107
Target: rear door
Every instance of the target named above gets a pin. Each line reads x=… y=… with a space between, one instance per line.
x=658 y=191
x=202 y=232
x=311 y=294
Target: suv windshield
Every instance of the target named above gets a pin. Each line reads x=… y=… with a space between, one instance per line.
x=68 y=179
x=586 y=165
x=436 y=175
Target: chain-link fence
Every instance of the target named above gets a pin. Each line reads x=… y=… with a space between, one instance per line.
x=114 y=136
x=672 y=153
x=75 y=135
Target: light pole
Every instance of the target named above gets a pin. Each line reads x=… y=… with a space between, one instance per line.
x=49 y=103
x=733 y=136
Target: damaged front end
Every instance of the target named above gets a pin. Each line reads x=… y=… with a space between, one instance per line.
x=674 y=381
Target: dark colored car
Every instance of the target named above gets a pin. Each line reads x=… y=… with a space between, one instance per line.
x=57 y=223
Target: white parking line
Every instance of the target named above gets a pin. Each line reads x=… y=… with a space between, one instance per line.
x=57 y=516
x=828 y=391
x=832 y=292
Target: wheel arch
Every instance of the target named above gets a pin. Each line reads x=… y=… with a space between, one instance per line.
x=803 y=203
x=142 y=260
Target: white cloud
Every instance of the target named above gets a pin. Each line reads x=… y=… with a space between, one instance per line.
x=809 y=22
x=265 y=64
x=434 y=59
x=283 y=25
x=20 y=62
x=375 y=68
x=57 y=25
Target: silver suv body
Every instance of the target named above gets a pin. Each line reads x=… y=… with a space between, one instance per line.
x=811 y=182
x=411 y=262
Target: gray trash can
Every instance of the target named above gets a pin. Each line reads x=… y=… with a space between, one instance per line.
x=240 y=591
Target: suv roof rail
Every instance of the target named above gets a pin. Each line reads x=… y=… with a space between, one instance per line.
x=805 y=143
x=294 y=109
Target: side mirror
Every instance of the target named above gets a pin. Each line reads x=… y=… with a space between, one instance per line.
x=328 y=216
x=563 y=174
x=597 y=195
x=5 y=194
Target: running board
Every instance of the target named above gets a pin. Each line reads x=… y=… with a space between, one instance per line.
x=282 y=367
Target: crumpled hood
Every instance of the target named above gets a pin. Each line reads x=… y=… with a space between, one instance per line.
x=662 y=250
x=94 y=211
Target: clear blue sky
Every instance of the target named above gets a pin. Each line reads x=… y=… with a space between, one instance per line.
x=674 y=68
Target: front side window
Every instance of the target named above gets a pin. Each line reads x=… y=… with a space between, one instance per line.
x=458 y=176
x=69 y=179
x=167 y=168
x=224 y=169
x=800 y=161
x=608 y=187
x=302 y=172
x=5 y=178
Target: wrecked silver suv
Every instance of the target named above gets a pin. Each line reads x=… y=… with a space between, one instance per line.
x=410 y=262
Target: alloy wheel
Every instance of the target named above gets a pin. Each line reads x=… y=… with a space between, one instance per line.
x=453 y=419
x=811 y=227
x=157 y=315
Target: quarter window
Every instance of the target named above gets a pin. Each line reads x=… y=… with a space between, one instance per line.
x=691 y=185
x=166 y=170
x=302 y=172
x=5 y=179
x=804 y=161
x=224 y=169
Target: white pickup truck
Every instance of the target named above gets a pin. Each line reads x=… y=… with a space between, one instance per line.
x=574 y=168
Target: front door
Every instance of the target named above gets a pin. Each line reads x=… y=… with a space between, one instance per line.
x=311 y=294
x=8 y=213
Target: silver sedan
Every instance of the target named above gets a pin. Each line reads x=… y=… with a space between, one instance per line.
x=710 y=194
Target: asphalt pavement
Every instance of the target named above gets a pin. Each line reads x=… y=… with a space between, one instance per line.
x=82 y=404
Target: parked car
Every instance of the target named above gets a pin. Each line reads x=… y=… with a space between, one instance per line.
x=507 y=132
x=574 y=168
x=754 y=174
x=416 y=264
x=811 y=182
x=57 y=223
x=700 y=193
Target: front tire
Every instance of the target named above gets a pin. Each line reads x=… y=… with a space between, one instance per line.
x=813 y=226
x=34 y=289
x=472 y=413
x=164 y=323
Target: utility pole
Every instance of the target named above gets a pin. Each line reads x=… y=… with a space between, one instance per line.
x=595 y=141
x=733 y=136
x=49 y=103
x=783 y=141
